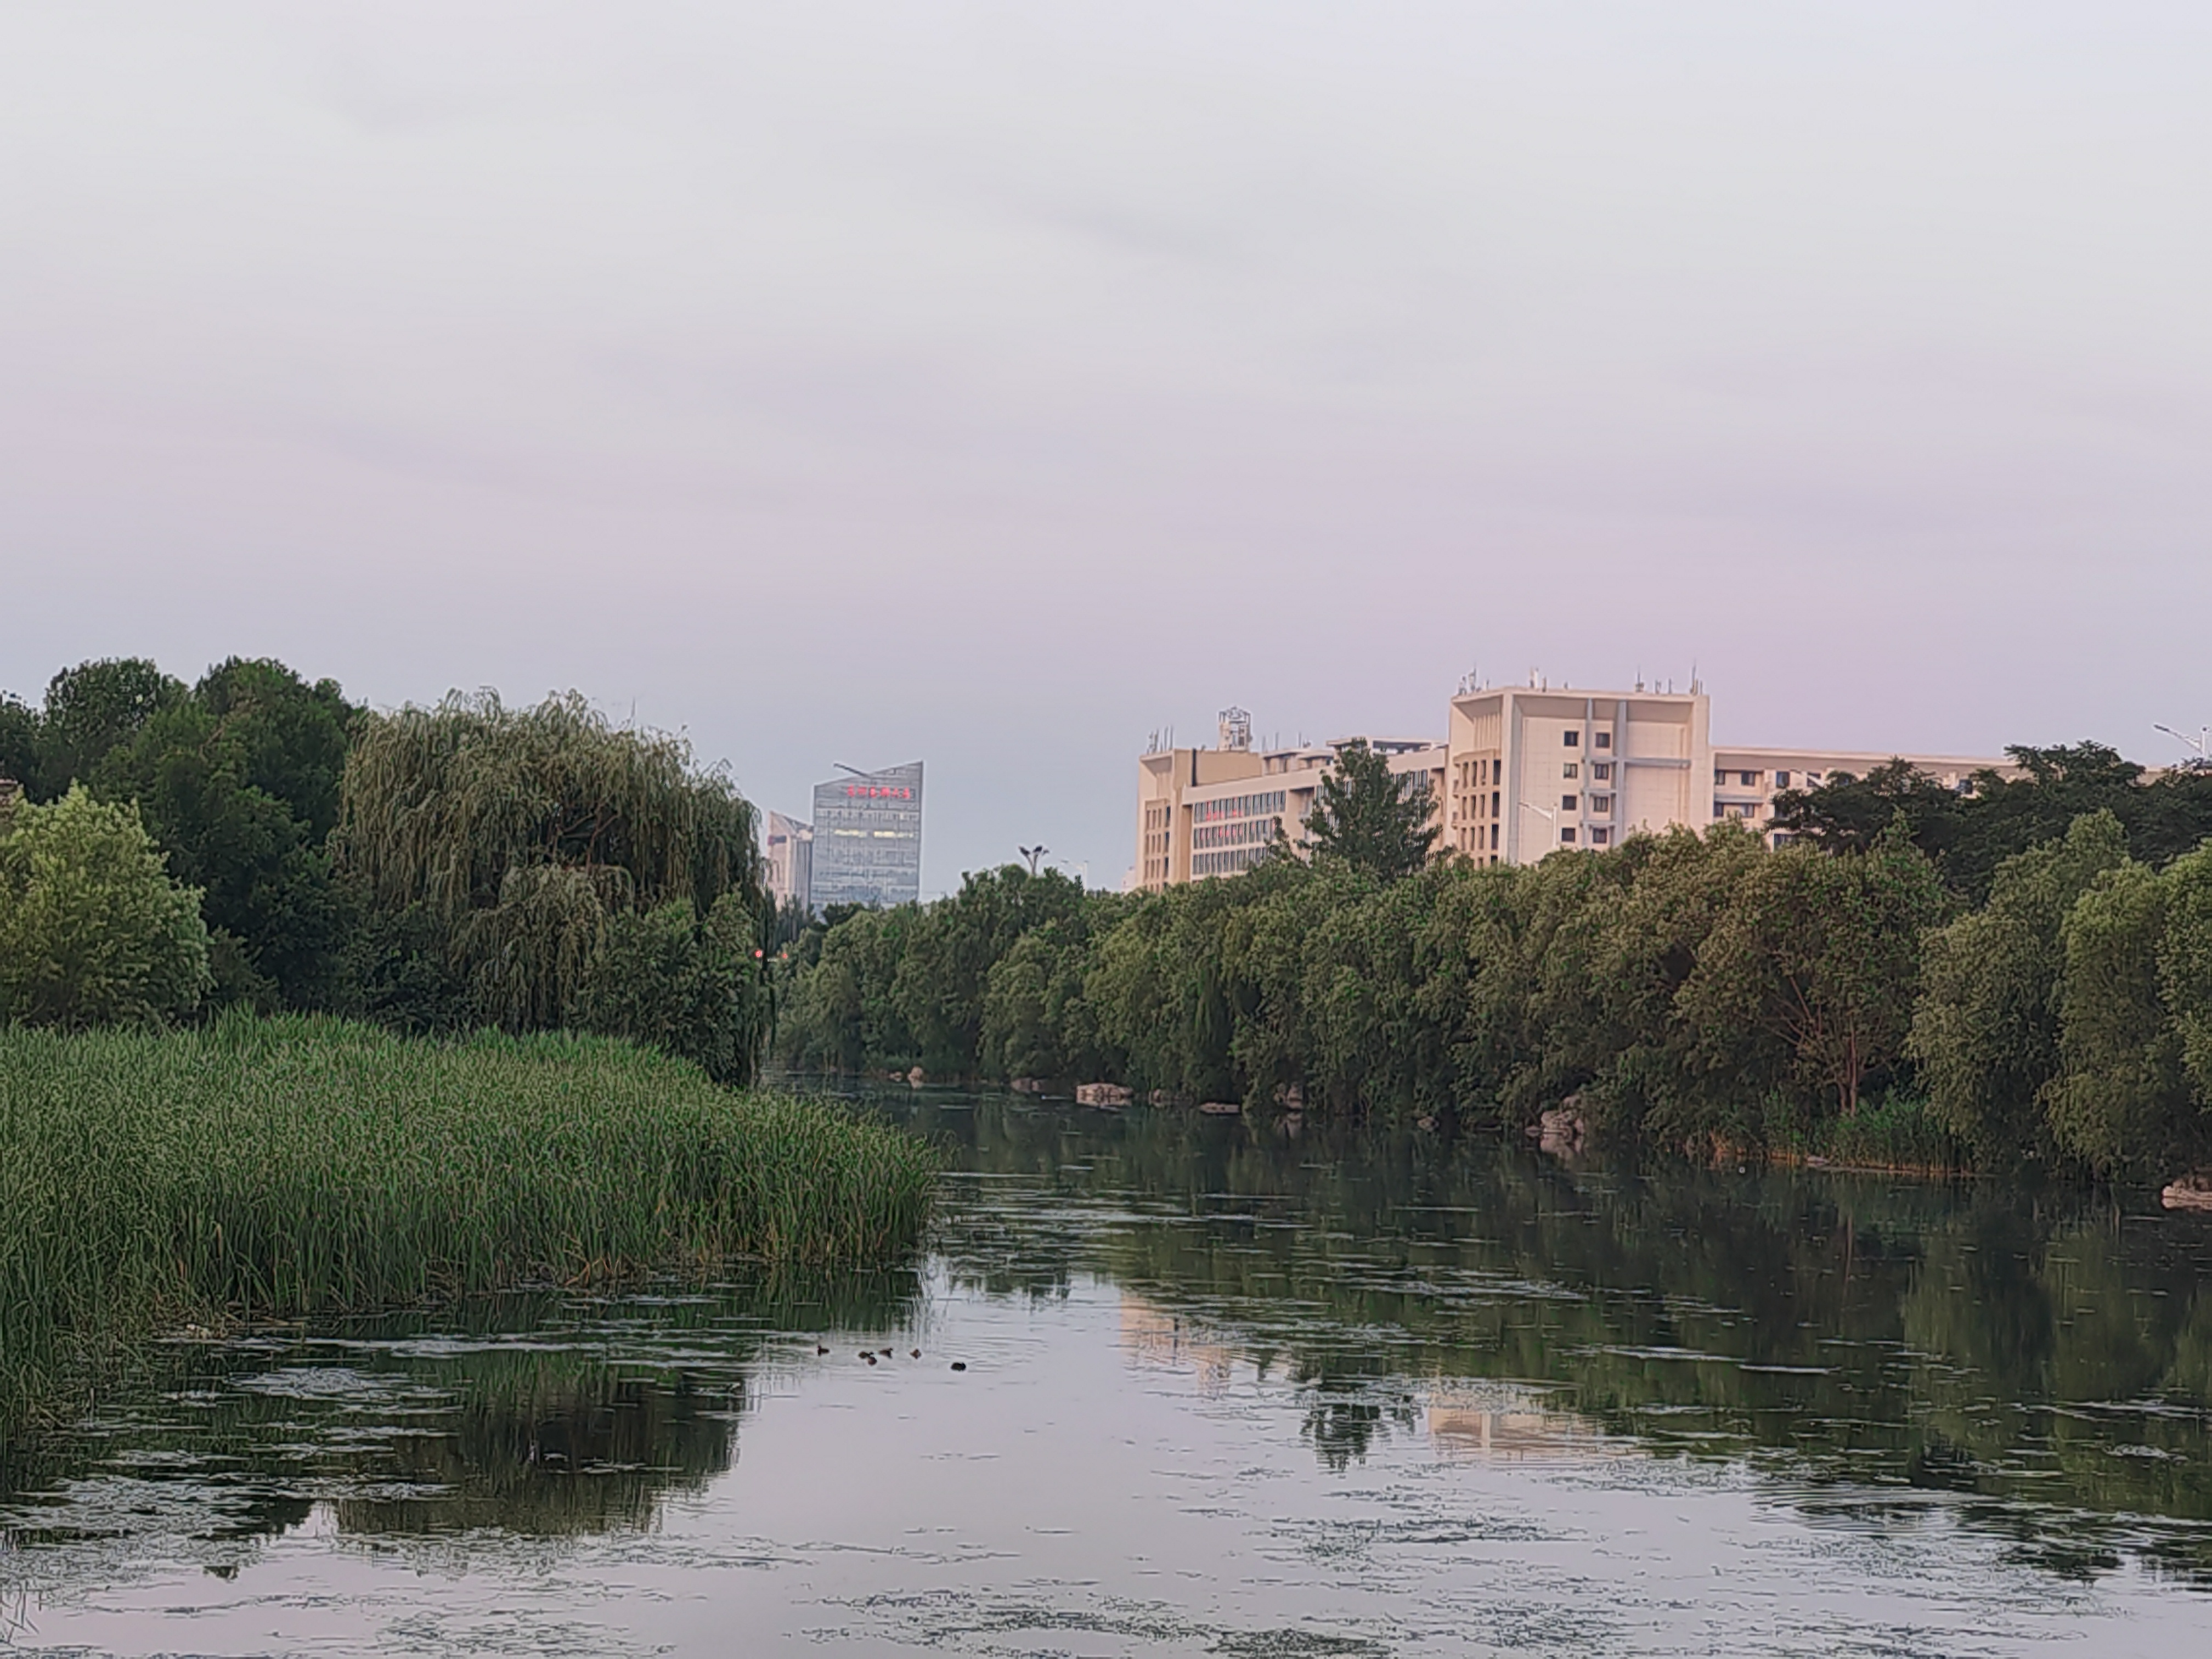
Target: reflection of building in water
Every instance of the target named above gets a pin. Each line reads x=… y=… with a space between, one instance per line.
x=1515 y=1424
x=1154 y=1336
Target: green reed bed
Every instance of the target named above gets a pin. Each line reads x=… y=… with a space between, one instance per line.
x=290 y=1167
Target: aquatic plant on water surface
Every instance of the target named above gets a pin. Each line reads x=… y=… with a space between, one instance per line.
x=299 y=1166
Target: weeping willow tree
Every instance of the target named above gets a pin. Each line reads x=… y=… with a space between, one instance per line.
x=524 y=842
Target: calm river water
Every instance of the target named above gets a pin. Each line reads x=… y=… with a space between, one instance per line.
x=1228 y=1389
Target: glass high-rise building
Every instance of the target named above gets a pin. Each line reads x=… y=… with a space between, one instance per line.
x=867 y=838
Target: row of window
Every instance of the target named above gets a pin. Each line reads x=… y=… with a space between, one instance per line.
x=1242 y=832
x=1601 y=771
x=1783 y=779
x=1598 y=739
x=1600 y=805
x=1238 y=806
x=1599 y=836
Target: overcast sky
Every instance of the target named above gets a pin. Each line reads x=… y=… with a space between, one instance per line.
x=994 y=384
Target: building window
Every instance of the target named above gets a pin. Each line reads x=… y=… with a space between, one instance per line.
x=1601 y=739
x=1719 y=778
x=1570 y=771
x=1572 y=739
x=1750 y=780
x=1567 y=836
x=1602 y=771
x=1494 y=836
x=1567 y=803
x=1603 y=806
x=1781 y=780
x=1600 y=837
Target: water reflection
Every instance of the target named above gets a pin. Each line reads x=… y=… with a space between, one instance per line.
x=1882 y=1355
x=1518 y=1426
x=543 y=1416
x=2043 y=1360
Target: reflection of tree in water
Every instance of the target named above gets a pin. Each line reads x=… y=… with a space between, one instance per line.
x=545 y=1415
x=552 y=1453
x=1342 y=1424
x=2041 y=1361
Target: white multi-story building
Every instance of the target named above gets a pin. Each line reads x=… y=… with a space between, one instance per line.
x=1204 y=812
x=1523 y=771
x=787 y=861
x=1531 y=769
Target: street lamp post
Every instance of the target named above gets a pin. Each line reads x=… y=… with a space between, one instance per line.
x=1543 y=812
x=2201 y=743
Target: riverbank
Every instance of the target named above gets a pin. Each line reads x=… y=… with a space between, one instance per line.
x=279 y=1169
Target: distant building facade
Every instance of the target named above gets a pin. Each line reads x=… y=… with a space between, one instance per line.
x=1204 y=812
x=1522 y=772
x=787 y=861
x=867 y=838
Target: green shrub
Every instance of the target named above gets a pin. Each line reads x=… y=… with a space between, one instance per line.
x=93 y=931
x=689 y=988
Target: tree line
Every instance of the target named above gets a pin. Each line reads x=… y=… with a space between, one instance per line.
x=2019 y=975
x=255 y=840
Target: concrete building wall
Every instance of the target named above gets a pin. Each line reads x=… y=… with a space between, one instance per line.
x=787 y=861
x=1533 y=769
x=1207 y=813
x=1523 y=771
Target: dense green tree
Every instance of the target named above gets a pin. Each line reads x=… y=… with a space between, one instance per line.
x=1821 y=957
x=949 y=986
x=1369 y=818
x=1037 y=1020
x=89 y=710
x=2185 y=964
x=952 y=947
x=2122 y=1100
x=685 y=985
x=1986 y=1034
x=1970 y=835
x=841 y=1014
x=236 y=778
x=94 y=931
x=1631 y=932
x=239 y=781
x=21 y=738
x=1849 y=813
x=513 y=838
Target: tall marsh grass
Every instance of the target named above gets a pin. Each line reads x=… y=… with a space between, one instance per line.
x=291 y=1167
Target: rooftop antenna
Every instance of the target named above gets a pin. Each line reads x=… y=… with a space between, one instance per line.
x=1033 y=853
x=2201 y=743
